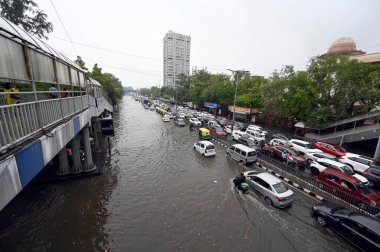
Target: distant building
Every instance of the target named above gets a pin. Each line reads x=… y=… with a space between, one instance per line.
x=347 y=46
x=176 y=57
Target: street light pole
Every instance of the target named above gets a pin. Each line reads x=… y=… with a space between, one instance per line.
x=236 y=88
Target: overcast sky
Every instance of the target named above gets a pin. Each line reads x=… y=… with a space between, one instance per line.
x=259 y=36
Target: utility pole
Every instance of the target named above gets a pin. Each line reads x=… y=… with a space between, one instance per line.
x=236 y=72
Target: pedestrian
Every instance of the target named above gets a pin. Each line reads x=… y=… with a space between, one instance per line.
x=53 y=92
x=64 y=93
x=11 y=99
x=283 y=155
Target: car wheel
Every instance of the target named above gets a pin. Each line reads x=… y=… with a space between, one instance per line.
x=241 y=162
x=321 y=221
x=268 y=201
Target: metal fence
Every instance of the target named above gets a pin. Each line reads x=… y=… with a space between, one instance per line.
x=20 y=121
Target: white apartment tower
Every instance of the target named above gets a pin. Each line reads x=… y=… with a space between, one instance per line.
x=176 y=57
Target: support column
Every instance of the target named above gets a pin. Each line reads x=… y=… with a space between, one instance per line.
x=377 y=153
x=95 y=134
x=63 y=163
x=89 y=165
x=77 y=166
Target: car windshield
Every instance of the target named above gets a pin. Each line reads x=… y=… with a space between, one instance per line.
x=245 y=135
x=308 y=146
x=294 y=152
x=363 y=188
x=219 y=129
x=347 y=170
x=280 y=187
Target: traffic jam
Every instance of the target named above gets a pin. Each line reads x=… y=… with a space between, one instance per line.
x=349 y=182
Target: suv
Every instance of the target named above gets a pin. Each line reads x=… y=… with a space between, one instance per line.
x=303 y=146
x=348 y=186
x=242 y=154
x=258 y=129
x=324 y=163
x=256 y=135
x=332 y=149
x=237 y=133
x=357 y=162
x=358 y=228
x=270 y=187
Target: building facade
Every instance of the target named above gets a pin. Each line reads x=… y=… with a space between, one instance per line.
x=176 y=57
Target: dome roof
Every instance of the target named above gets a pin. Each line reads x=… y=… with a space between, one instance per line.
x=345 y=44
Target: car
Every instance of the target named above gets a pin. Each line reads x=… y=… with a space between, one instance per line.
x=228 y=129
x=171 y=116
x=206 y=148
x=212 y=123
x=347 y=187
x=324 y=163
x=248 y=142
x=195 y=122
x=279 y=141
x=303 y=146
x=313 y=156
x=271 y=188
x=280 y=136
x=181 y=115
x=242 y=154
x=180 y=122
x=217 y=130
x=292 y=156
x=258 y=129
x=256 y=135
x=333 y=149
x=373 y=175
x=166 y=118
x=357 y=228
x=357 y=162
x=237 y=133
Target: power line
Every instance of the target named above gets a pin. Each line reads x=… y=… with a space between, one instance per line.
x=64 y=28
x=108 y=50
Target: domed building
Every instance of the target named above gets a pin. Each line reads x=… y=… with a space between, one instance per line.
x=345 y=46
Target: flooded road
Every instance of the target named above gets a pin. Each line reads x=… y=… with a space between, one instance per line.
x=158 y=194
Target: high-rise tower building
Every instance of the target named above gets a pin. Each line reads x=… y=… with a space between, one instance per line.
x=176 y=57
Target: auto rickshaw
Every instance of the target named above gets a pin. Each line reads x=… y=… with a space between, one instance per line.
x=204 y=134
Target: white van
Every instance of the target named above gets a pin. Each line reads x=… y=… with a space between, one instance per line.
x=242 y=154
x=256 y=135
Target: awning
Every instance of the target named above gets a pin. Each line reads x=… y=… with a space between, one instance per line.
x=239 y=110
x=299 y=125
x=210 y=105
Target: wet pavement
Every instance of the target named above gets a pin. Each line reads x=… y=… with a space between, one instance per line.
x=158 y=194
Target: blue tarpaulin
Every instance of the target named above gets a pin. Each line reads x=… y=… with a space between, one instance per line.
x=211 y=105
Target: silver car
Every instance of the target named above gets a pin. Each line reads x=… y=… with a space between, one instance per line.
x=271 y=188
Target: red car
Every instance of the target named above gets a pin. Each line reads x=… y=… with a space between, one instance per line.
x=348 y=186
x=218 y=131
x=333 y=149
x=292 y=156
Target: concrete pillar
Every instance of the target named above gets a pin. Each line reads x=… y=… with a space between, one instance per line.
x=77 y=166
x=64 y=168
x=95 y=133
x=89 y=165
x=377 y=153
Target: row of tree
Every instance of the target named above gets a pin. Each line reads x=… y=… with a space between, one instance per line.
x=333 y=87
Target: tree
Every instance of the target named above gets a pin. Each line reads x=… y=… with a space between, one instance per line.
x=155 y=92
x=81 y=63
x=167 y=92
x=26 y=14
x=183 y=88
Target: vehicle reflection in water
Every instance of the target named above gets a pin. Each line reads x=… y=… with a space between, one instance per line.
x=157 y=193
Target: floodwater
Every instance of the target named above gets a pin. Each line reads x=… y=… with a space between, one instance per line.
x=158 y=194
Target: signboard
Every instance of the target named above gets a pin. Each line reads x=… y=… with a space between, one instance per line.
x=239 y=110
x=210 y=105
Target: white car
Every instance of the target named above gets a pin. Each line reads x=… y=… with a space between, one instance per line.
x=228 y=129
x=357 y=162
x=205 y=148
x=166 y=118
x=310 y=157
x=236 y=134
x=195 y=122
x=282 y=142
x=324 y=163
x=303 y=146
x=256 y=135
x=258 y=129
x=181 y=115
x=272 y=189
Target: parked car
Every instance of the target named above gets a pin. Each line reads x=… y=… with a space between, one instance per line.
x=166 y=118
x=218 y=131
x=242 y=154
x=278 y=141
x=357 y=162
x=228 y=129
x=206 y=148
x=333 y=149
x=271 y=188
x=258 y=129
x=313 y=156
x=292 y=156
x=256 y=135
x=357 y=228
x=324 y=163
x=303 y=146
x=180 y=122
x=248 y=142
x=280 y=136
x=348 y=186
x=195 y=122
x=237 y=133
x=373 y=175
